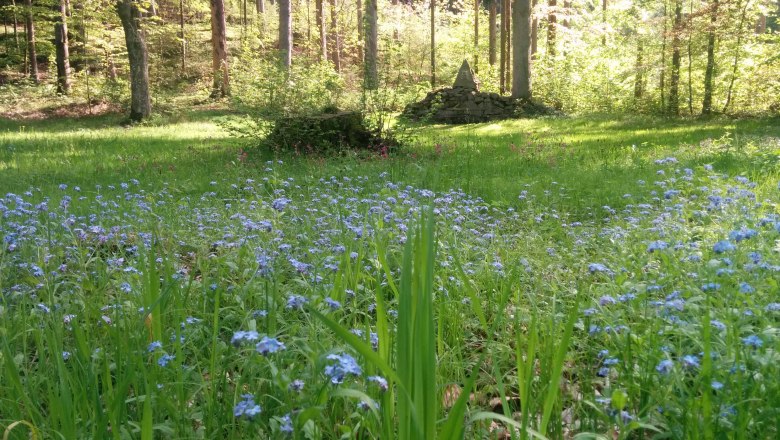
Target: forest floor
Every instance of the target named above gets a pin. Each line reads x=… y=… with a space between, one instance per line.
x=606 y=275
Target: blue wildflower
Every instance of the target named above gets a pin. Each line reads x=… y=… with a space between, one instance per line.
x=723 y=246
x=665 y=366
x=344 y=365
x=269 y=345
x=286 y=425
x=611 y=361
x=332 y=303
x=607 y=300
x=690 y=361
x=753 y=341
x=155 y=345
x=165 y=360
x=717 y=385
x=246 y=407
x=296 y=302
x=241 y=337
x=380 y=381
x=598 y=267
x=296 y=385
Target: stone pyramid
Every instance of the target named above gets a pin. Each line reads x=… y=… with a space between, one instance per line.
x=465 y=78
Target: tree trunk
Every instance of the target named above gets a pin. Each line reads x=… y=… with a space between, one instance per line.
x=639 y=78
x=706 y=108
x=493 y=12
x=674 y=80
x=285 y=33
x=476 y=36
x=260 y=6
x=534 y=31
x=433 y=43
x=335 y=38
x=737 y=54
x=140 y=102
x=503 y=54
x=508 y=68
x=62 y=51
x=690 y=65
x=371 y=81
x=662 y=75
x=552 y=22
x=360 y=19
x=219 y=56
x=320 y=12
x=16 y=25
x=183 y=37
x=604 y=22
x=30 y=32
x=567 y=12
x=521 y=46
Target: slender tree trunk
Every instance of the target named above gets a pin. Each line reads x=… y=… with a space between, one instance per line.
x=639 y=78
x=662 y=76
x=360 y=19
x=567 y=12
x=335 y=37
x=604 y=22
x=219 y=55
x=433 y=43
x=371 y=80
x=493 y=12
x=552 y=22
x=503 y=57
x=320 y=12
x=508 y=68
x=690 y=66
x=140 y=102
x=476 y=36
x=30 y=32
x=534 y=30
x=737 y=54
x=706 y=108
x=674 y=80
x=285 y=33
x=62 y=51
x=761 y=24
x=521 y=36
x=182 y=36
x=16 y=25
x=260 y=6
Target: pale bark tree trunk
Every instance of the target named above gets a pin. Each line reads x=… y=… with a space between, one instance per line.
x=219 y=55
x=260 y=6
x=30 y=32
x=508 y=23
x=534 y=30
x=604 y=22
x=371 y=80
x=503 y=54
x=552 y=22
x=639 y=78
x=674 y=80
x=662 y=76
x=320 y=19
x=706 y=108
x=140 y=101
x=285 y=33
x=62 y=51
x=737 y=54
x=492 y=18
x=182 y=37
x=566 y=13
x=476 y=36
x=16 y=25
x=521 y=46
x=433 y=43
x=335 y=37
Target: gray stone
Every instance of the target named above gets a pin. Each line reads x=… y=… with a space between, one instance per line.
x=465 y=78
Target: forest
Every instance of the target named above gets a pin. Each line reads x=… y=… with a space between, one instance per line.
x=395 y=219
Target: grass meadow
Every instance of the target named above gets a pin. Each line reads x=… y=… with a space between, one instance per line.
x=585 y=277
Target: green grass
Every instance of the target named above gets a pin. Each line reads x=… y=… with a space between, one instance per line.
x=598 y=158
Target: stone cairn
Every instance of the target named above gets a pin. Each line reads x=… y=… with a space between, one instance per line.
x=463 y=103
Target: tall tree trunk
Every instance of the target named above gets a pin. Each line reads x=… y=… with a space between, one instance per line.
x=521 y=46
x=16 y=25
x=285 y=33
x=62 y=51
x=706 y=108
x=433 y=43
x=737 y=54
x=662 y=75
x=534 y=30
x=371 y=80
x=320 y=12
x=335 y=37
x=476 y=36
x=690 y=64
x=492 y=13
x=140 y=101
x=604 y=22
x=503 y=54
x=360 y=36
x=219 y=55
x=566 y=14
x=508 y=68
x=552 y=22
x=182 y=36
x=639 y=77
x=30 y=32
x=674 y=80
x=260 y=6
